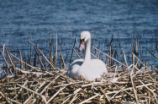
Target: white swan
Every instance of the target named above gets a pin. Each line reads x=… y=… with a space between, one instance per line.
x=88 y=69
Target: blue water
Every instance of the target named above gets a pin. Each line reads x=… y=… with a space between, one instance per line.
x=22 y=20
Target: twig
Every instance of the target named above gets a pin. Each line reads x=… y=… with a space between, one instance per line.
x=43 y=97
x=62 y=59
x=42 y=64
x=124 y=56
x=42 y=54
x=21 y=64
x=94 y=55
x=76 y=53
x=24 y=62
x=111 y=57
x=55 y=95
x=72 y=50
x=7 y=64
x=29 y=72
x=49 y=84
x=7 y=99
x=27 y=100
x=69 y=96
x=76 y=93
x=154 y=94
x=87 y=100
x=35 y=59
x=56 y=46
x=10 y=58
x=126 y=89
x=153 y=54
x=133 y=86
x=50 y=50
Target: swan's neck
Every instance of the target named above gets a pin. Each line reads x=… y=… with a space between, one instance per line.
x=88 y=50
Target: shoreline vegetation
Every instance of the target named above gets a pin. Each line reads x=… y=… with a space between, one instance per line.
x=40 y=81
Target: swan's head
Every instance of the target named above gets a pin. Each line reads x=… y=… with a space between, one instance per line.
x=85 y=36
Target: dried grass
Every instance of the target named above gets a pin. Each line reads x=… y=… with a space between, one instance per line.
x=52 y=86
x=56 y=87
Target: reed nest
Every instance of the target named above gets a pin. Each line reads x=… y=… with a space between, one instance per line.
x=55 y=87
x=47 y=84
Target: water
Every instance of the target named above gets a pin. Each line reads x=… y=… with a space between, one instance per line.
x=22 y=20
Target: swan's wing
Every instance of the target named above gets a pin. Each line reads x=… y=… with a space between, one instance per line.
x=77 y=61
x=74 y=67
x=76 y=64
x=94 y=69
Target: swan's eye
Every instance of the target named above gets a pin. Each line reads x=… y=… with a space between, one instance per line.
x=81 y=40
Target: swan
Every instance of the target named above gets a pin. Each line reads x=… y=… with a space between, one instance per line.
x=87 y=68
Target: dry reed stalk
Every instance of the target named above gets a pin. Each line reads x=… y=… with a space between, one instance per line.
x=35 y=60
x=110 y=60
x=56 y=46
x=94 y=55
x=154 y=94
x=139 y=60
x=93 y=87
x=71 y=83
x=127 y=89
x=29 y=98
x=55 y=95
x=50 y=50
x=111 y=51
x=132 y=47
x=42 y=64
x=136 y=48
x=21 y=64
x=75 y=95
x=62 y=75
x=36 y=68
x=43 y=97
x=74 y=98
x=62 y=59
x=73 y=48
x=54 y=86
x=38 y=50
x=44 y=89
x=87 y=100
x=29 y=72
x=134 y=87
x=110 y=57
x=152 y=54
x=121 y=90
x=124 y=57
x=10 y=58
x=66 y=100
x=6 y=62
x=76 y=53
x=7 y=99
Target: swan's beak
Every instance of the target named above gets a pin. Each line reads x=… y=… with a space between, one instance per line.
x=81 y=46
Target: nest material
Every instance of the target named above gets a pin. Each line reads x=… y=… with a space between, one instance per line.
x=55 y=87
x=37 y=85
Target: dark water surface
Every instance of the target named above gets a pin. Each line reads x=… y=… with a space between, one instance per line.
x=22 y=20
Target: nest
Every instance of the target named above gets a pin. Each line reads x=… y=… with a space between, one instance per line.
x=40 y=85
x=55 y=87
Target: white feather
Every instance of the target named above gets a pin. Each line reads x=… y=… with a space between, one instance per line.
x=89 y=69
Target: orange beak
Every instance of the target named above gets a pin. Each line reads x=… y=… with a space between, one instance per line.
x=81 y=46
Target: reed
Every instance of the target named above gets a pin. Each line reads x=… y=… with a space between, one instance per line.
x=50 y=50
x=44 y=83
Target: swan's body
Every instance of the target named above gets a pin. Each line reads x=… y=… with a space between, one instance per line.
x=89 y=69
